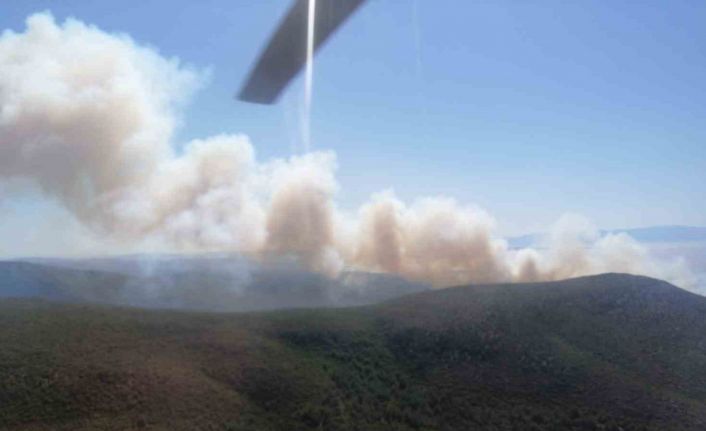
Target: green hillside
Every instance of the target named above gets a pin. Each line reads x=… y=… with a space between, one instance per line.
x=608 y=352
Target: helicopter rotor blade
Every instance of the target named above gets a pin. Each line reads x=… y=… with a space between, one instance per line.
x=285 y=54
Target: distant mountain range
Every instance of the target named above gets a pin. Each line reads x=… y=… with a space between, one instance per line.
x=653 y=234
x=205 y=282
x=610 y=352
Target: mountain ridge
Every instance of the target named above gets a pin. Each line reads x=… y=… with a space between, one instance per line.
x=218 y=283
x=649 y=234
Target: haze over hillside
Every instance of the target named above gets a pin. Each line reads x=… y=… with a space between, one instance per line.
x=202 y=282
x=611 y=352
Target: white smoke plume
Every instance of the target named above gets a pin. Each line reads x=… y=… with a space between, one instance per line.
x=575 y=247
x=434 y=240
x=89 y=118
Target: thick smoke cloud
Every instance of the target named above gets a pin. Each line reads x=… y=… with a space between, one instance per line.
x=89 y=118
x=434 y=239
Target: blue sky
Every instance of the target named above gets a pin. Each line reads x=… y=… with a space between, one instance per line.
x=527 y=110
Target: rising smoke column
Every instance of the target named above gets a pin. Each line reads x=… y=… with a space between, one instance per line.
x=300 y=218
x=88 y=117
x=434 y=239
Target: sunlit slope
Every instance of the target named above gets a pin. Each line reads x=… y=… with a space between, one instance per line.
x=605 y=352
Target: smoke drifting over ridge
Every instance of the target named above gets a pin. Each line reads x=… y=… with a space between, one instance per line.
x=89 y=117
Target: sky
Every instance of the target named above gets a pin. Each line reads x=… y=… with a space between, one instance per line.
x=526 y=110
